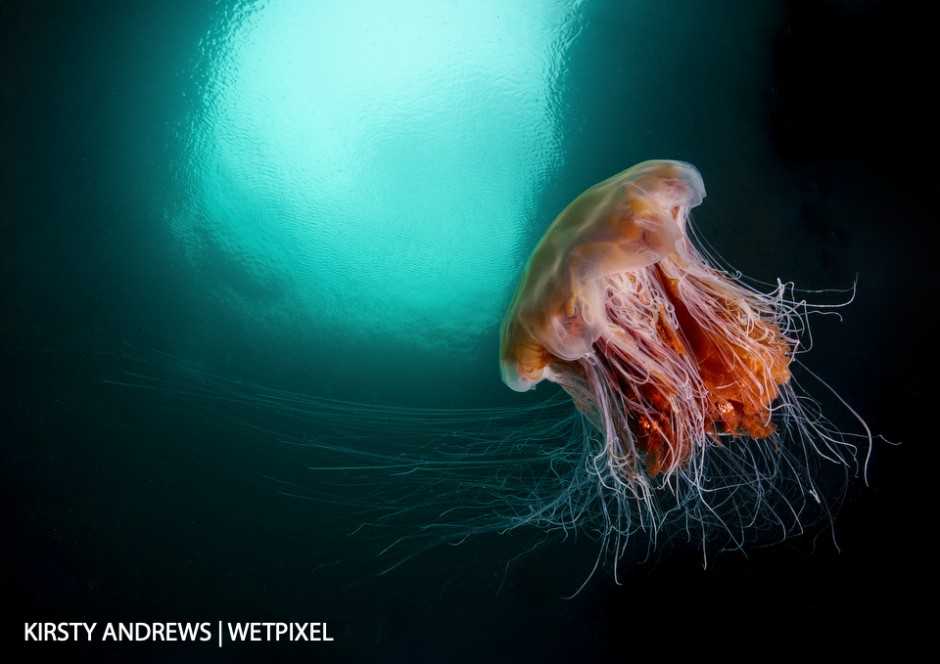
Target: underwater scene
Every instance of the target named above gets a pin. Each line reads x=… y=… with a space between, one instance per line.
x=544 y=330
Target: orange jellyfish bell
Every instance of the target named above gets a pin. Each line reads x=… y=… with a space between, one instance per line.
x=665 y=354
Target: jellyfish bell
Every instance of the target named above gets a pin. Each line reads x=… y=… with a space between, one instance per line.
x=628 y=222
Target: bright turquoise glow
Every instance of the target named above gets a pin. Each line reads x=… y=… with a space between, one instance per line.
x=371 y=172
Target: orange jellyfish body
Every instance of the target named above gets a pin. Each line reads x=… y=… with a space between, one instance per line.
x=663 y=353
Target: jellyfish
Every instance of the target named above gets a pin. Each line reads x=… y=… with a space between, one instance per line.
x=689 y=420
x=663 y=353
x=672 y=360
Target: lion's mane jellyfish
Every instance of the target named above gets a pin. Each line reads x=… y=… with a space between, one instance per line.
x=671 y=359
x=689 y=423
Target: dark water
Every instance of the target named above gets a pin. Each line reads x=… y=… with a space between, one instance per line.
x=209 y=197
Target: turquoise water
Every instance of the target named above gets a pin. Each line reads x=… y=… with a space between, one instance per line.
x=218 y=216
x=371 y=179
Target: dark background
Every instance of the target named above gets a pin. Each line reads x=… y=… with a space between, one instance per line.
x=115 y=512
